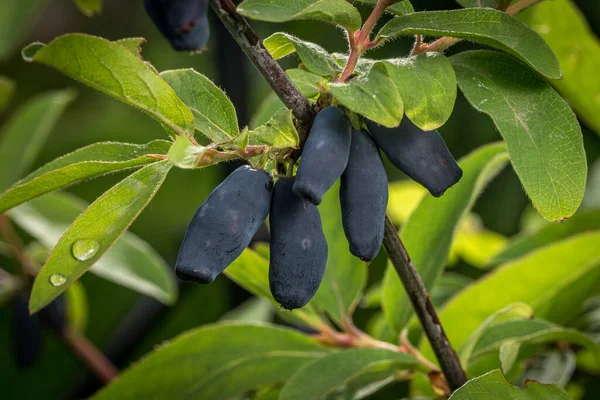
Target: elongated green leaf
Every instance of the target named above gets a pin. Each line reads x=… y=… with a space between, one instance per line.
x=7 y=89
x=116 y=71
x=429 y=232
x=15 y=19
x=586 y=220
x=90 y=8
x=77 y=307
x=95 y=231
x=309 y=84
x=334 y=373
x=266 y=110
x=86 y=163
x=374 y=96
x=345 y=275
x=541 y=132
x=554 y=292
x=400 y=8
x=338 y=12
x=216 y=362
x=251 y=271
x=214 y=114
x=494 y=385
x=131 y=262
x=315 y=58
x=427 y=85
x=447 y=286
x=255 y=309
x=567 y=32
x=279 y=132
x=26 y=131
x=491 y=27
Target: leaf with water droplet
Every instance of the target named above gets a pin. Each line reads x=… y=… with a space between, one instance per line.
x=84 y=249
x=57 y=279
x=104 y=222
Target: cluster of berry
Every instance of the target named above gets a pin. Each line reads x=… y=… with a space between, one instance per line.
x=225 y=223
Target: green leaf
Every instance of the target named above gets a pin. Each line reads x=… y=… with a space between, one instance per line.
x=338 y=12
x=116 y=71
x=494 y=385
x=88 y=162
x=7 y=90
x=447 y=286
x=315 y=58
x=309 y=84
x=77 y=307
x=16 y=19
x=214 y=114
x=427 y=86
x=430 y=230
x=95 y=231
x=541 y=132
x=583 y=221
x=266 y=110
x=334 y=374
x=480 y=3
x=251 y=271
x=491 y=27
x=89 y=8
x=255 y=309
x=567 y=32
x=279 y=132
x=374 y=96
x=133 y=44
x=215 y=362
x=25 y=133
x=400 y=8
x=130 y=262
x=553 y=367
x=345 y=275
x=555 y=294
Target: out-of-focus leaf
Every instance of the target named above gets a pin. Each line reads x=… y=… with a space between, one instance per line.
x=15 y=19
x=7 y=89
x=90 y=8
x=95 y=231
x=338 y=12
x=77 y=307
x=404 y=198
x=430 y=229
x=88 y=162
x=480 y=3
x=552 y=368
x=555 y=293
x=25 y=133
x=400 y=8
x=116 y=71
x=214 y=114
x=591 y=199
x=542 y=135
x=309 y=84
x=494 y=385
x=583 y=221
x=345 y=275
x=266 y=110
x=315 y=58
x=335 y=373
x=447 y=286
x=255 y=309
x=374 y=96
x=279 y=132
x=567 y=32
x=491 y=27
x=427 y=86
x=478 y=246
x=216 y=362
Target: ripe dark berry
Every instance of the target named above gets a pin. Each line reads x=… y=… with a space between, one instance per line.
x=421 y=155
x=298 y=247
x=325 y=154
x=183 y=22
x=364 y=197
x=26 y=333
x=224 y=225
x=54 y=315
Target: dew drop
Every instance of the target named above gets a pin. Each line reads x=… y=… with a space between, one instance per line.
x=84 y=249
x=57 y=279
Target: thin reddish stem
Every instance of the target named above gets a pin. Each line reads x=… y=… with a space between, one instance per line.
x=90 y=355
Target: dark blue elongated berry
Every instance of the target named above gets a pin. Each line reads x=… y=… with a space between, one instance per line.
x=54 y=315
x=26 y=333
x=224 y=225
x=325 y=154
x=364 y=197
x=183 y=23
x=298 y=247
x=421 y=155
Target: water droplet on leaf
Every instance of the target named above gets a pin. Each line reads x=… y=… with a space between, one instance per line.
x=57 y=279
x=84 y=249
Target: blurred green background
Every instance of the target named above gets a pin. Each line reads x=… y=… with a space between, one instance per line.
x=121 y=322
